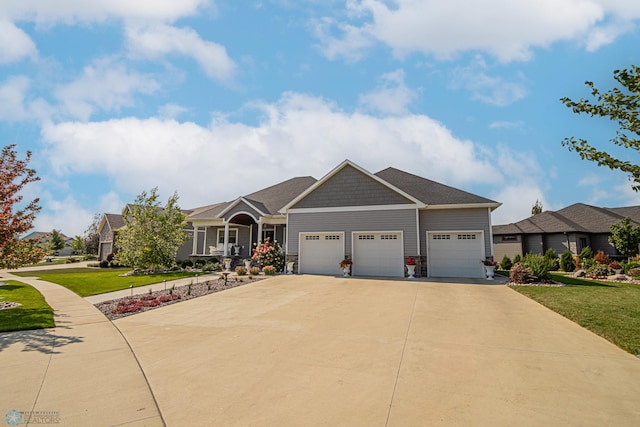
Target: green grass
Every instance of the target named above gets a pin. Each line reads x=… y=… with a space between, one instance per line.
x=610 y=309
x=86 y=282
x=34 y=313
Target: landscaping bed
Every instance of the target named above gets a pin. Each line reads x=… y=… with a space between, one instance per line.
x=122 y=307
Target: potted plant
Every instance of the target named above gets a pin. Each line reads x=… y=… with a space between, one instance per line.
x=290 y=265
x=247 y=263
x=345 y=265
x=616 y=267
x=489 y=268
x=227 y=264
x=411 y=268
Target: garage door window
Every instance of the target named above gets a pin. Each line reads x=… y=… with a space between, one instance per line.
x=366 y=237
x=332 y=237
x=311 y=237
x=389 y=237
x=441 y=236
x=466 y=237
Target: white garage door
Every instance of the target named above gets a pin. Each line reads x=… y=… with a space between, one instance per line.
x=455 y=254
x=378 y=254
x=320 y=253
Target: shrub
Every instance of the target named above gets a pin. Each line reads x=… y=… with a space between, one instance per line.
x=587 y=263
x=520 y=274
x=601 y=258
x=241 y=271
x=104 y=263
x=254 y=271
x=186 y=263
x=211 y=266
x=552 y=256
x=198 y=263
x=598 y=270
x=269 y=270
x=630 y=265
x=539 y=266
x=517 y=259
x=89 y=257
x=586 y=253
x=614 y=265
x=71 y=260
x=566 y=261
x=634 y=272
x=268 y=253
x=506 y=264
x=111 y=256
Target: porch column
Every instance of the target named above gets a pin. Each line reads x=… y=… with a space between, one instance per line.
x=195 y=240
x=259 y=231
x=226 y=240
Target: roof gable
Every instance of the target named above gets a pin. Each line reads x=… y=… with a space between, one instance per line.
x=349 y=185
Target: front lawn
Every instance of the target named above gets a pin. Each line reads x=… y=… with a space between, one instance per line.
x=86 y=281
x=34 y=313
x=610 y=309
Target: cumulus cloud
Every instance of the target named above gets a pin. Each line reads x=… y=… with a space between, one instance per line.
x=505 y=124
x=105 y=85
x=225 y=159
x=156 y=41
x=66 y=215
x=391 y=97
x=491 y=90
x=505 y=29
x=15 y=44
x=15 y=103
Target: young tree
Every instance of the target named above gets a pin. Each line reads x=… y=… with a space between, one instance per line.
x=625 y=237
x=92 y=237
x=537 y=208
x=618 y=104
x=56 y=242
x=77 y=245
x=152 y=235
x=14 y=175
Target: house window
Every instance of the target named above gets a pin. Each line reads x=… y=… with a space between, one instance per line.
x=233 y=236
x=509 y=238
x=582 y=243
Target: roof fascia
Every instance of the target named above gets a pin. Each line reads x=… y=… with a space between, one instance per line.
x=235 y=203
x=492 y=206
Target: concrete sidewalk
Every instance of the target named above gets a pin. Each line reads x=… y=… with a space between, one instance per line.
x=80 y=373
x=319 y=351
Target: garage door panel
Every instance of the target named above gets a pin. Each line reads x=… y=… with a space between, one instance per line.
x=321 y=253
x=455 y=254
x=378 y=254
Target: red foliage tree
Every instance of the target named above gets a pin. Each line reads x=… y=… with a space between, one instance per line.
x=14 y=175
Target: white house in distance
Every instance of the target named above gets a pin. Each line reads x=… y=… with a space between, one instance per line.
x=378 y=220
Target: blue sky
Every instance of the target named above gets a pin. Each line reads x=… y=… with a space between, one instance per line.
x=213 y=99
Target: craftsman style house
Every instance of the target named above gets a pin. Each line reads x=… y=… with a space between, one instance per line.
x=376 y=220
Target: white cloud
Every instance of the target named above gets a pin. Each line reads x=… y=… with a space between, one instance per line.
x=505 y=124
x=106 y=85
x=72 y=11
x=391 y=97
x=235 y=158
x=506 y=29
x=171 y=111
x=156 y=41
x=15 y=44
x=517 y=201
x=490 y=90
x=12 y=98
x=66 y=215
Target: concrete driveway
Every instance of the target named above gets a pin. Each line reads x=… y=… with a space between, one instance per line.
x=309 y=350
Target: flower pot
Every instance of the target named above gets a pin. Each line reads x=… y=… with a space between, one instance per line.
x=290 y=265
x=489 y=271
x=247 y=264
x=411 y=271
x=227 y=264
x=346 y=270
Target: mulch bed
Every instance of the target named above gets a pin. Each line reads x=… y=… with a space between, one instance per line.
x=122 y=307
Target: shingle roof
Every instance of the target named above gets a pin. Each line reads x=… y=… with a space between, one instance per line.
x=209 y=211
x=430 y=192
x=115 y=221
x=275 y=197
x=579 y=217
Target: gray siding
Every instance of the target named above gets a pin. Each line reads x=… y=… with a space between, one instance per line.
x=392 y=220
x=350 y=187
x=533 y=244
x=600 y=242
x=454 y=220
x=556 y=241
x=185 y=249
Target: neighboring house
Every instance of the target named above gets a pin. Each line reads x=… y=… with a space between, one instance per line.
x=66 y=251
x=573 y=227
x=108 y=228
x=377 y=220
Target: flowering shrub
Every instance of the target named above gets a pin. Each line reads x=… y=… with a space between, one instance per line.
x=254 y=271
x=411 y=261
x=241 y=271
x=520 y=274
x=345 y=263
x=269 y=270
x=615 y=265
x=634 y=272
x=269 y=254
x=598 y=271
x=601 y=258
